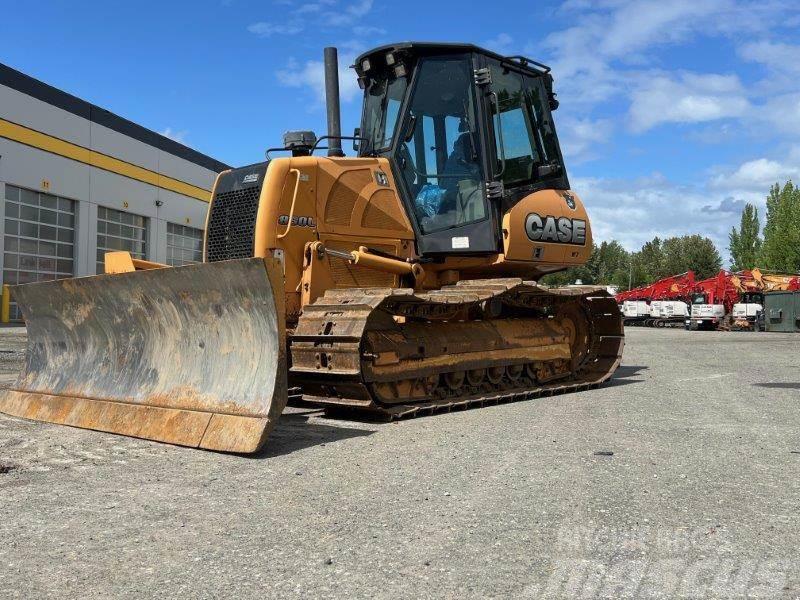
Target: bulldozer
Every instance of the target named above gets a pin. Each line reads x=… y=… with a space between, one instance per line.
x=397 y=282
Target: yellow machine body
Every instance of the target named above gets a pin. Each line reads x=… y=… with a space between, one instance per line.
x=398 y=281
x=336 y=202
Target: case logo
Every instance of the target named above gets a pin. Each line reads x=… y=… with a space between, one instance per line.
x=250 y=178
x=560 y=230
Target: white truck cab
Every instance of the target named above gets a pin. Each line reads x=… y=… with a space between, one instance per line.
x=746 y=310
x=704 y=315
x=746 y=313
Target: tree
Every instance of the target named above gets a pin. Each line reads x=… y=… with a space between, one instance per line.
x=610 y=264
x=691 y=253
x=674 y=256
x=639 y=270
x=745 y=243
x=651 y=261
x=780 y=250
x=607 y=265
x=701 y=256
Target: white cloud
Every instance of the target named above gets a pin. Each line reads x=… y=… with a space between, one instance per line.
x=619 y=31
x=264 y=29
x=757 y=175
x=634 y=26
x=778 y=56
x=368 y=30
x=308 y=8
x=782 y=113
x=311 y=74
x=780 y=61
x=318 y=15
x=607 y=57
x=634 y=211
x=581 y=138
x=349 y=14
x=501 y=43
x=178 y=136
x=686 y=98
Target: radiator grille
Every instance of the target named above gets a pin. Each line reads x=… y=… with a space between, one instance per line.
x=232 y=224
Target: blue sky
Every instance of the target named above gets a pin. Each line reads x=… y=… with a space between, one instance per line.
x=673 y=113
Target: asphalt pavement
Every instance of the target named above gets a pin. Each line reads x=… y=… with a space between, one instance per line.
x=679 y=478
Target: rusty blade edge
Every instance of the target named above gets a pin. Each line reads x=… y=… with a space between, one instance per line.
x=131 y=403
x=196 y=429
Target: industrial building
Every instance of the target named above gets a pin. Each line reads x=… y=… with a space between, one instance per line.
x=77 y=180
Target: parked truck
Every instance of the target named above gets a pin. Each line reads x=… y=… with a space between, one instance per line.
x=712 y=301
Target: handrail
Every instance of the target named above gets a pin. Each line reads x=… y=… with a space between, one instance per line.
x=294 y=200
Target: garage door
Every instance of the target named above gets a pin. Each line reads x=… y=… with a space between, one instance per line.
x=118 y=230
x=39 y=238
x=184 y=245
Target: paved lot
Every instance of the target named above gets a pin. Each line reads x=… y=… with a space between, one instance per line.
x=700 y=498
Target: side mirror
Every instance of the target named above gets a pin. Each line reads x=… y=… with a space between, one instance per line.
x=357 y=141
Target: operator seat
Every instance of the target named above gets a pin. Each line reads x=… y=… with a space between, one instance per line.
x=463 y=180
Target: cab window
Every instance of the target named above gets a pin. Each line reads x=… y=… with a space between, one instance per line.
x=381 y=109
x=439 y=156
x=524 y=134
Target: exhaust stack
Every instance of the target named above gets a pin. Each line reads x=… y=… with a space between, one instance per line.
x=332 y=102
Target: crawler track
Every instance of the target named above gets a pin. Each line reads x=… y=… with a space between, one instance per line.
x=397 y=353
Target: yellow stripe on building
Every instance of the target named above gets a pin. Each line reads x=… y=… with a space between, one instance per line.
x=54 y=145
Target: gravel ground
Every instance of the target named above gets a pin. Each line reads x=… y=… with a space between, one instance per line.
x=699 y=499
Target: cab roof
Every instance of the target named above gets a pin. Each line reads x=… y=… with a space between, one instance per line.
x=416 y=49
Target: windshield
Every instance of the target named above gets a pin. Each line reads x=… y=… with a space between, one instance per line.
x=381 y=109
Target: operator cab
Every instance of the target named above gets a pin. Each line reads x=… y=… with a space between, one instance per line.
x=468 y=133
x=752 y=298
x=699 y=298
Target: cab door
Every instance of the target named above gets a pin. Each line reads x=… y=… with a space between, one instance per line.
x=441 y=160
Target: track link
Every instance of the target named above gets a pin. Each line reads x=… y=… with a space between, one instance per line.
x=395 y=353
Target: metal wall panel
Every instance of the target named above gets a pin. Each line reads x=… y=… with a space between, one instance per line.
x=32 y=168
x=181 y=210
x=781 y=311
x=108 y=189
x=184 y=170
x=115 y=144
x=41 y=116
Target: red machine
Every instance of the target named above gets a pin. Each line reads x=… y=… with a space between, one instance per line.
x=719 y=289
x=667 y=301
x=676 y=287
x=713 y=298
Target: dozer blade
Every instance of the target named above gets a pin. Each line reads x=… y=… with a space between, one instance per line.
x=191 y=355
